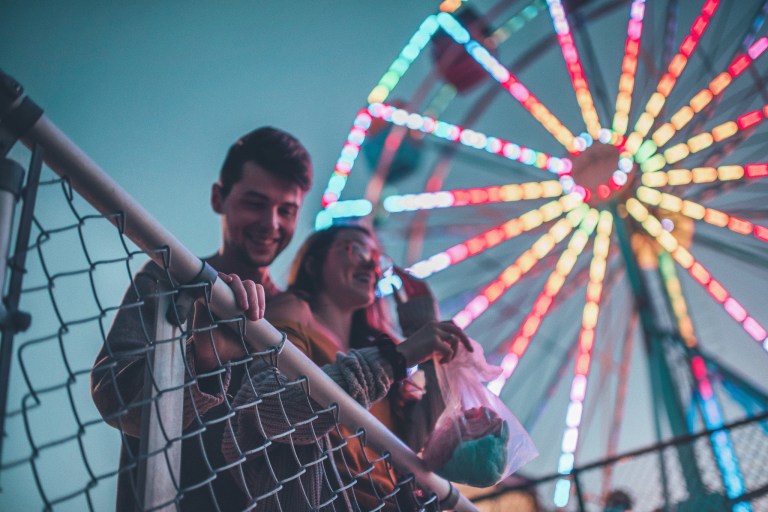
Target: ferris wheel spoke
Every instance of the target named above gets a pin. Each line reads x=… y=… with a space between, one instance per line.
x=696 y=211
x=651 y=161
x=711 y=409
x=524 y=263
x=532 y=219
x=704 y=97
x=668 y=80
x=584 y=357
x=507 y=80
x=629 y=67
x=574 y=67
x=542 y=305
x=724 y=173
x=699 y=273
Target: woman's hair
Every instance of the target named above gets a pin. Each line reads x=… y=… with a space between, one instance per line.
x=306 y=281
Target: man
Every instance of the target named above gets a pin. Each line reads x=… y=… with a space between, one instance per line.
x=262 y=184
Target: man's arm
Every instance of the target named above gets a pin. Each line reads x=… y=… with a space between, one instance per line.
x=119 y=373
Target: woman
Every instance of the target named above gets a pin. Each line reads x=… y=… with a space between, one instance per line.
x=331 y=313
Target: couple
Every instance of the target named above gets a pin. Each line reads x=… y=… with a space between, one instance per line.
x=330 y=312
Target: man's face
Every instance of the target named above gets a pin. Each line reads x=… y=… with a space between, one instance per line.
x=258 y=215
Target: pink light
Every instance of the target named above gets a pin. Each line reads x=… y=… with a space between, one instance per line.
x=699 y=368
x=758 y=48
x=705 y=388
x=754 y=329
x=578 y=388
x=735 y=309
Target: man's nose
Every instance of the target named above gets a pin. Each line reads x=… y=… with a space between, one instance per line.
x=270 y=220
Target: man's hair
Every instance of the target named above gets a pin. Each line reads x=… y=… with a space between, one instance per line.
x=276 y=151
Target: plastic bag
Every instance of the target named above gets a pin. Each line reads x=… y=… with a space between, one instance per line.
x=476 y=441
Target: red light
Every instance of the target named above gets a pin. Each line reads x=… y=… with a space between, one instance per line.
x=710 y=7
x=761 y=233
x=582 y=365
x=700 y=273
x=603 y=191
x=329 y=198
x=698 y=367
x=699 y=26
x=519 y=345
x=718 y=292
x=689 y=44
x=542 y=305
x=749 y=119
x=475 y=245
x=738 y=65
x=740 y=226
x=756 y=170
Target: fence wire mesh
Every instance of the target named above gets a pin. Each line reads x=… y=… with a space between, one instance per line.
x=654 y=479
x=247 y=437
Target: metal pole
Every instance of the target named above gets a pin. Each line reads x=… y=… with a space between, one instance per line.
x=160 y=446
x=11 y=319
x=99 y=189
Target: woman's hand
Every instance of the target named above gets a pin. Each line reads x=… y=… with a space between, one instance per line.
x=220 y=344
x=439 y=340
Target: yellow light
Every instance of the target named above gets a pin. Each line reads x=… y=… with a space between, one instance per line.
x=560 y=230
x=693 y=210
x=531 y=190
x=511 y=192
x=649 y=195
x=719 y=83
x=653 y=164
x=683 y=257
x=591 y=220
x=699 y=142
x=704 y=174
x=671 y=203
x=589 y=318
x=601 y=245
x=663 y=134
x=512 y=228
x=532 y=219
x=578 y=241
x=725 y=130
x=511 y=275
x=554 y=283
x=450 y=5
x=644 y=123
x=677 y=65
x=566 y=262
x=542 y=246
x=636 y=209
x=682 y=117
x=667 y=241
x=666 y=84
x=716 y=217
x=626 y=84
x=730 y=172
x=597 y=269
x=378 y=94
x=551 y=188
x=654 y=179
x=526 y=261
x=551 y=210
x=679 y=177
x=541 y=160
x=701 y=100
x=676 y=153
x=605 y=223
x=633 y=142
x=620 y=122
x=652 y=226
x=655 y=104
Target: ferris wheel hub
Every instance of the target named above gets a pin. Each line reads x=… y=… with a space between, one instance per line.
x=598 y=173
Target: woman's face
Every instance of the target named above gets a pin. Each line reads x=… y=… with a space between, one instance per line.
x=351 y=270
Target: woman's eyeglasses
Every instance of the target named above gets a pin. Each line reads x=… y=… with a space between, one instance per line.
x=383 y=264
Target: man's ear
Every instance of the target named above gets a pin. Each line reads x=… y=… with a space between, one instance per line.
x=217 y=198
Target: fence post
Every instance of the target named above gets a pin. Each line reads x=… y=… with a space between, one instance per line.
x=577 y=486
x=160 y=446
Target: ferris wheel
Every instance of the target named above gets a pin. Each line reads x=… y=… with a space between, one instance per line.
x=582 y=184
